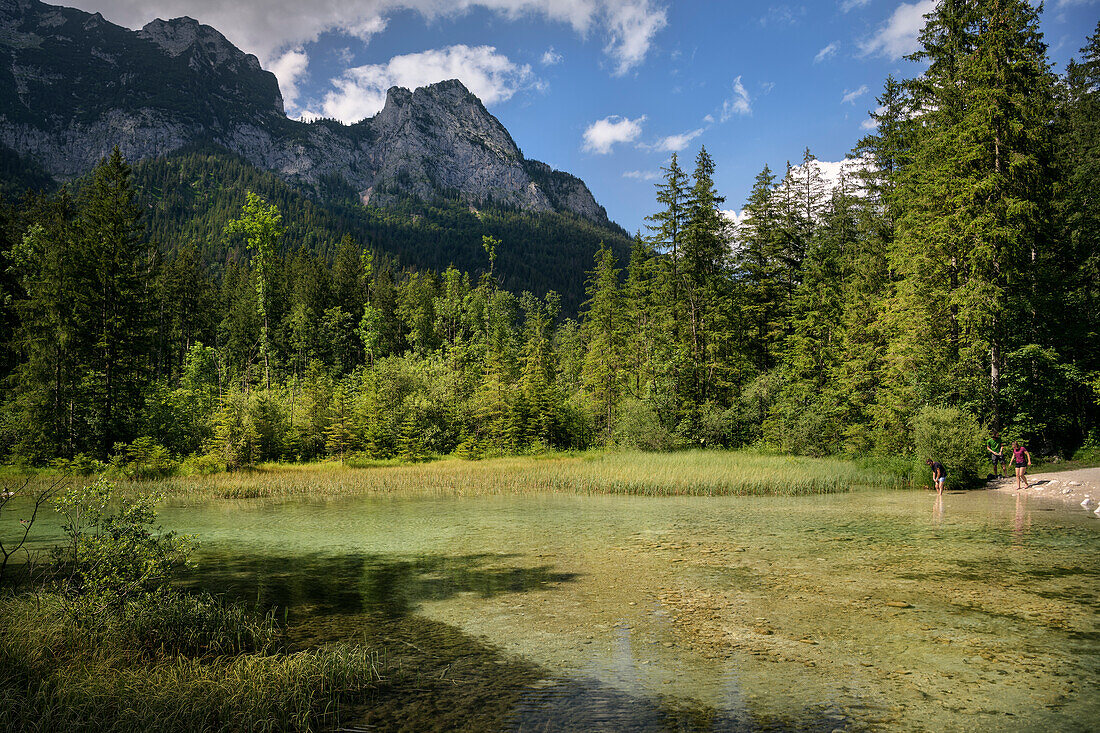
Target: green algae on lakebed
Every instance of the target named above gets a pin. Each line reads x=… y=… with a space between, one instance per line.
x=690 y=613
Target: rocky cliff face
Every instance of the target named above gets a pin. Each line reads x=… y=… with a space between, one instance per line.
x=72 y=86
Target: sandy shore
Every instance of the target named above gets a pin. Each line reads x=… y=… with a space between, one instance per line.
x=1071 y=487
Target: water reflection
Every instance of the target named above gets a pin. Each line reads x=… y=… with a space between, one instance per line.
x=390 y=586
x=1021 y=521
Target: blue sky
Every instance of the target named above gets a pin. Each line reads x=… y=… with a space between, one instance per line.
x=604 y=89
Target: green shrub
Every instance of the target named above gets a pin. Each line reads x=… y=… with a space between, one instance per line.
x=202 y=464
x=638 y=427
x=113 y=553
x=954 y=438
x=81 y=465
x=142 y=459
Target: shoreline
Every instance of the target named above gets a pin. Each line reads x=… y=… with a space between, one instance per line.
x=1068 y=487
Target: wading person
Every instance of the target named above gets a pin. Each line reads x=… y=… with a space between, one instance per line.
x=939 y=475
x=996 y=454
x=1022 y=460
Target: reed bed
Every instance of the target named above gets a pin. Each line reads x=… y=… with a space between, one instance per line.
x=686 y=473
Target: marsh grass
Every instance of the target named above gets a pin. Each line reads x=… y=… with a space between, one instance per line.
x=218 y=670
x=686 y=473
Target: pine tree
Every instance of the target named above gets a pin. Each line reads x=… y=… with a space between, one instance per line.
x=537 y=393
x=339 y=434
x=113 y=300
x=669 y=222
x=704 y=265
x=974 y=197
x=602 y=371
x=1071 y=311
x=758 y=275
x=48 y=333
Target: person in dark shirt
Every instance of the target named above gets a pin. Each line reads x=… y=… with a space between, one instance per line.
x=996 y=453
x=939 y=475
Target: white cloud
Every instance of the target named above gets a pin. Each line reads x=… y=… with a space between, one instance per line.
x=826 y=52
x=871 y=123
x=850 y=97
x=267 y=28
x=289 y=70
x=734 y=217
x=631 y=25
x=739 y=103
x=847 y=5
x=782 y=15
x=361 y=91
x=898 y=36
x=603 y=134
x=551 y=57
x=676 y=143
x=365 y=28
x=642 y=175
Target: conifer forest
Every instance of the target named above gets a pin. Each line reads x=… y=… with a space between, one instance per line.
x=951 y=275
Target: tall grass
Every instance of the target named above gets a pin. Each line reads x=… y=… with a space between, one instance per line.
x=696 y=473
x=219 y=672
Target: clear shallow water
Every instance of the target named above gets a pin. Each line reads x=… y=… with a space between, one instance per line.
x=861 y=611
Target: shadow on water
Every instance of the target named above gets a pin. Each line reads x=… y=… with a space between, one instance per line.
x=436 y=677
x=381 y=585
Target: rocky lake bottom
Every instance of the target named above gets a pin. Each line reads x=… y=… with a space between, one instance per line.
x=853 y=611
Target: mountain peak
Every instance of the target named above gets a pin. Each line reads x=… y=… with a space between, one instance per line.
x=66 y=99
x=185 y=34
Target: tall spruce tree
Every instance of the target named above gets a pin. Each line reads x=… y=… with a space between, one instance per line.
x=705 y=283
x=972 y=200
x=1072 y=308
x=602 y=371
x=757 y=271
x=48 y=335
x=113 y=296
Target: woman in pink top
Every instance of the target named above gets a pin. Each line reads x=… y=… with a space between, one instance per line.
x=1022 y=459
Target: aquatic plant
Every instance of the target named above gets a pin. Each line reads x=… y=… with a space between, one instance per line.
x=697 y=472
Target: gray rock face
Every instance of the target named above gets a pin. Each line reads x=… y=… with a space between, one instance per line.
x=72 y=86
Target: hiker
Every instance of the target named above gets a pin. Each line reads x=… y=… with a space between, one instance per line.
x=1022 y=459
x=996 y=453
x=939 y=475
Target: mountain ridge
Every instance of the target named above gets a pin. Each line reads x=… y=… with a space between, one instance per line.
x=73 y=85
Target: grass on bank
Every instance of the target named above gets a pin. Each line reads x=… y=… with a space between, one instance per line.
x=687 y=473
x=181 y=664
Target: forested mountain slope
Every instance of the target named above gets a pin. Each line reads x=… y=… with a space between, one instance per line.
x=189 y=197
x=422 y=180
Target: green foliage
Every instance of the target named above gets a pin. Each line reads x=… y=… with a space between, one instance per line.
x=142 y=459
x=638 y=427
x=958 y=269
x=952 y=437
x=113 y=554
x=170 y=662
